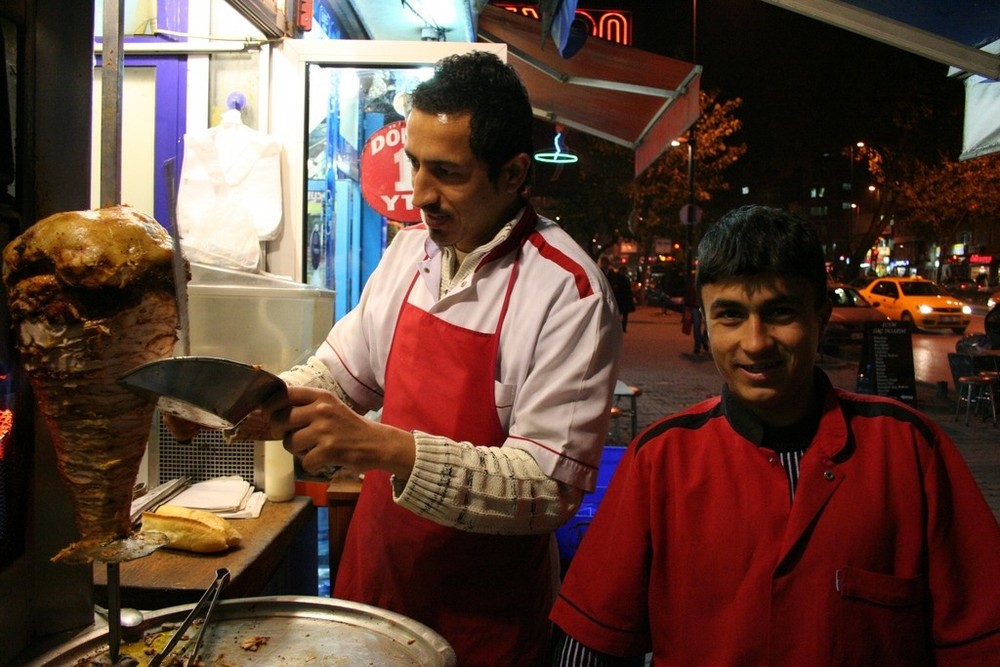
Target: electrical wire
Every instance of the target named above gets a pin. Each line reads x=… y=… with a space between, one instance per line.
x=429 y=23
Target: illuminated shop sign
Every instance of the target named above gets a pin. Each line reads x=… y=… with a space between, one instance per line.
x=610 y=24
x=980 y=259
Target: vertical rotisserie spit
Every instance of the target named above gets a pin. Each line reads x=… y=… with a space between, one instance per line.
x=91 y=296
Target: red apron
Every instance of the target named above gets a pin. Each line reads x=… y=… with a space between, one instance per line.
x=488 y=595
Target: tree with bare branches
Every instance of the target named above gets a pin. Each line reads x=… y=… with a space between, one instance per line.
x=944 y=199
x=608 y=204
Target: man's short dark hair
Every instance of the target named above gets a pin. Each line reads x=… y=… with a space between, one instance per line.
x=490 y=91
x=759 y=240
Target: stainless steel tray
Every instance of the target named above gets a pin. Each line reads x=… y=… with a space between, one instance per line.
x=293 y=630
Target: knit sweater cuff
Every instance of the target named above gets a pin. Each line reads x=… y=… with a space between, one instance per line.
x=314 y=373
x=496 y=490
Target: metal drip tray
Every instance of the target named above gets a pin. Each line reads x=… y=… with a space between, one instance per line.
x=276 y=630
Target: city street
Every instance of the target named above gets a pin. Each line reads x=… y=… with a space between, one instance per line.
x=657 y=359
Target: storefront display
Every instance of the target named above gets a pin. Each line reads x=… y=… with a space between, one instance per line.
x=351 y=91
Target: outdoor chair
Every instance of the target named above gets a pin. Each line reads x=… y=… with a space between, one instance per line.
x=626 y=391
x=973 y=389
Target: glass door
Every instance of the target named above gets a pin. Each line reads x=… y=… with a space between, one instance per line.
x=352 y=94
x=344 y=234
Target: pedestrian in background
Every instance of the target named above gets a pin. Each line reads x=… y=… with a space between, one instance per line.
x=785 y=522
x=621 y=287
x=694 y=319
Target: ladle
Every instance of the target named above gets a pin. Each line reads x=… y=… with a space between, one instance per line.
x=131 y=621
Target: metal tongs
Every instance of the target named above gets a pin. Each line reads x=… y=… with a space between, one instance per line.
x=210 y=597
x=158 y=495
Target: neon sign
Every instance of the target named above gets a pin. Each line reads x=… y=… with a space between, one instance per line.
x=610 y=24
x=560 y=154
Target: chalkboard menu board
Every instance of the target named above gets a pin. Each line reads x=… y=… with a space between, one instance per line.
x=886 y=365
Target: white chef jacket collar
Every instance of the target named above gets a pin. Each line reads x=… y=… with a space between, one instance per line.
x=429 y=267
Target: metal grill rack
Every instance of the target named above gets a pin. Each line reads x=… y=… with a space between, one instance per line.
x=207 y=456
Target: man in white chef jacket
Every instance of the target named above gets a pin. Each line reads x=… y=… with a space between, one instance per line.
x=490 y=341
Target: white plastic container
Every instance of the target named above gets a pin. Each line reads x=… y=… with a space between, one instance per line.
x=279 y=472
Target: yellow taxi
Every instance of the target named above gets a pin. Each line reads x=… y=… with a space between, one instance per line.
x=920 y=301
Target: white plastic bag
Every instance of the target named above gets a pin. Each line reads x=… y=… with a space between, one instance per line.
x=229 y=199
x=219 y=232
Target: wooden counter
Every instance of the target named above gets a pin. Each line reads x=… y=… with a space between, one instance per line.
x=278 y=556
x=341 y=497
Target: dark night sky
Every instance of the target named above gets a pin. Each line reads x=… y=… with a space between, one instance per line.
x=808 y=87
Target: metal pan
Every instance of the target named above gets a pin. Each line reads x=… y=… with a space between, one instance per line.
x=216 y=393
x=279 y=630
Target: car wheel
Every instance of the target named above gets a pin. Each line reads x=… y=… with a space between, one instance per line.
x=906 y=317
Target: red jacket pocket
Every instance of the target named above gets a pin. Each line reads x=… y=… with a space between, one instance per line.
x=882 y=589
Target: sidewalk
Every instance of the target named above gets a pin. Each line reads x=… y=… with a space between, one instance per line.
x=657 y=359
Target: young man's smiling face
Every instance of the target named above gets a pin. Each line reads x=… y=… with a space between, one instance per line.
x=764 y=333
x=459 y=203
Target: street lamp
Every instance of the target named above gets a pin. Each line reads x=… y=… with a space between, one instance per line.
x=689 y=213
x=853 y=206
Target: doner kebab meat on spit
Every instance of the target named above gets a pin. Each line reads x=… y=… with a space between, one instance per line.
x=92 y=296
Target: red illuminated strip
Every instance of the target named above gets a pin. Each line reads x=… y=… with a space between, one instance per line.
x=6 y=423
x=610 y=24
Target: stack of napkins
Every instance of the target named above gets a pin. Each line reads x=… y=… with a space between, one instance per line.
x=230 y=497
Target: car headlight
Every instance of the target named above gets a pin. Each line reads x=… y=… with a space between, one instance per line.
x=966 y=310
x=925 y=309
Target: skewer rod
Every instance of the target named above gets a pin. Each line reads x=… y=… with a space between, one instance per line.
x=114 y=612
x=112 y=71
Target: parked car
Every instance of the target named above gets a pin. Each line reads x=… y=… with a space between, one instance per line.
x=960 y=286
x=862 y=282
x=664 y=285
x=849 y=316
x=972 y=292
x=920 y=301
x=983 y=296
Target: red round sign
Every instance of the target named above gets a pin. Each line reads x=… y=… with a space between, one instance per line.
x=386 y=178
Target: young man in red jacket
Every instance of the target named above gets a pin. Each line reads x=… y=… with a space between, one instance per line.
x=785 y=522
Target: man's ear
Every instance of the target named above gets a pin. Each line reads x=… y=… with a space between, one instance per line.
x=514 y=173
